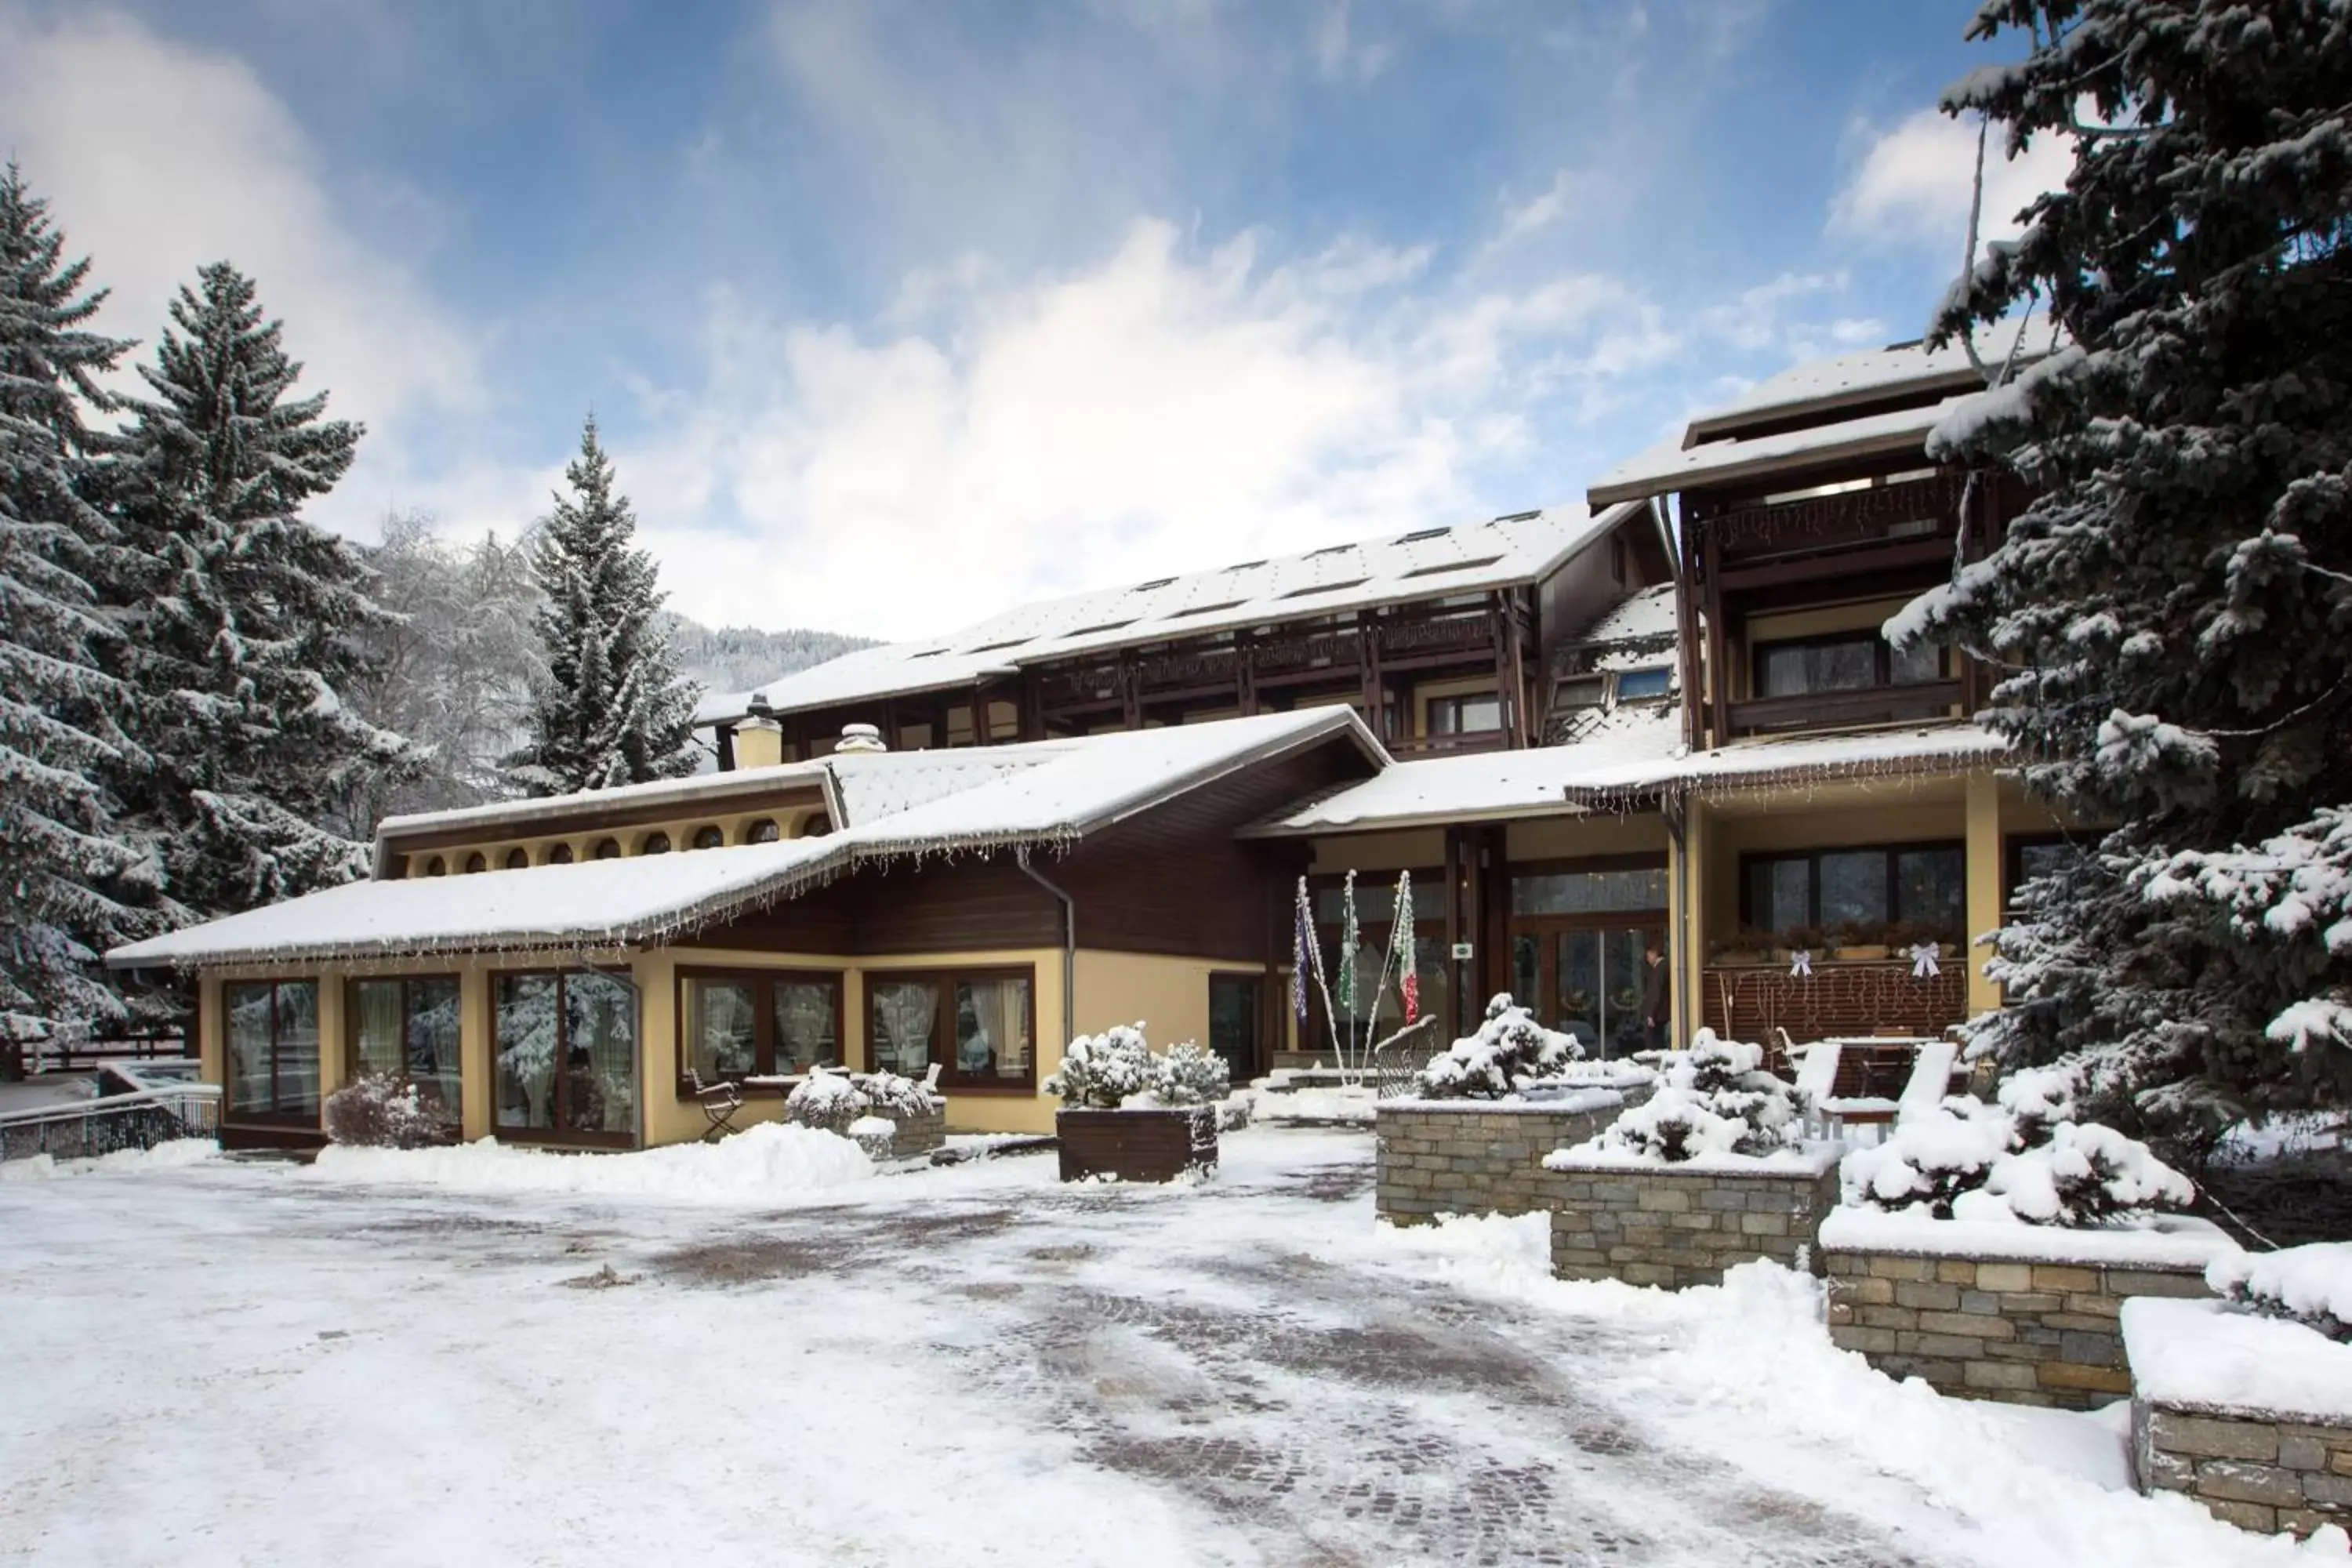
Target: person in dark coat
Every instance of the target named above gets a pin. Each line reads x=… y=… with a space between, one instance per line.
x=1657 y=1005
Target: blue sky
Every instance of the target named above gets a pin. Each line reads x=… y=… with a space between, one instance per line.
x=896 y=313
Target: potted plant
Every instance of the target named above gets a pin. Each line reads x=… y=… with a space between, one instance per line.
x=1787 y=944
x=835 y=1102
x=1130 y=1114
x=1857 y=941
x=1746 y=945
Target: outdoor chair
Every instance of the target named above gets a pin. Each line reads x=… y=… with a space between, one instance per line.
x=720 y=1102
x=1930 y=1080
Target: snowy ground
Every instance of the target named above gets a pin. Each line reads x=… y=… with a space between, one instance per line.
x=227 y=1363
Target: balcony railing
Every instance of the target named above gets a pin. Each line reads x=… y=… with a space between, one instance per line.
x=1837 y=1000
x=1831 y=709
x=1449 y=745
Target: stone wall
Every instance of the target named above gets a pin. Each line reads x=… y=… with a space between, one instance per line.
x=918 y=1134
x=2020 y=1332
x=1677 y=1226
x=2251 y=1471
x=1473 y=1156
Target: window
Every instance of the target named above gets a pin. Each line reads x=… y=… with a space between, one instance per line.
x=763 y=831
x=437 y=867
x=1234 y=1019
x=655 y=843
x=558 y=855
x=273 y=1046
x=997 y=647
x=608 y=849
x=978 y=1025
x=1476 y=713
x=1155 y=583
x=756 y=1022
x=477 y=861
x=407 y=1029
x=1204 y=609
x=1420 y=533
x=565 y=1049
x=1452 y=566
x=1325 y=587
x=1917 y=884
x=1582 y=692
x=1589 y=892
x=708 y=837
x=1646 y=685
x=1853 y=662
x=1100 y=626
x=2033 y=854
x=1376 y=923
x=518 y=857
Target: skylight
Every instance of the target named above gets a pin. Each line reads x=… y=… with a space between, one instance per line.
x=1105 y=626
x=1205 y=609
x=928 y=653
x=1452 y=566
x=1325 y=588
x=994 y=647
x=1520 y=516
x=1645 y=685
x=1155 y=583
x=1327 y=550
x=1420 y=533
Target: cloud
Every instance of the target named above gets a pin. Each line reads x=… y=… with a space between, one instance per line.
x=1913 y=184
x=158 y=157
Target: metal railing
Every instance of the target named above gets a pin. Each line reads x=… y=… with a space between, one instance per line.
x=1397 y=1060
x=131 y=1111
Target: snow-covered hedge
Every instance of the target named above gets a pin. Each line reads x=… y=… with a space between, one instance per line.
x=1116 y=1069
x=2025 y=1159
x=1716 y=1098
x=834 y=1101
x=1509 y=1051
x=2310 y=1284
x=378 y=1112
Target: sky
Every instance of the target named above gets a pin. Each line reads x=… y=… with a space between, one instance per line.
x=895 y=314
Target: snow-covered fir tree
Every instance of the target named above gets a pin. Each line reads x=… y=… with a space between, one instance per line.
x=2172 y=616
x=612 y=710
x=242 y=621
x=58 y=853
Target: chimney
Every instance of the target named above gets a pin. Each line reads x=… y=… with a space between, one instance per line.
x=759 y=739
x=860 y=738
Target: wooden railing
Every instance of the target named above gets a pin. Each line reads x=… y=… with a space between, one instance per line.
x=1449 y=745
x=1839 y=998
x=1825 y=710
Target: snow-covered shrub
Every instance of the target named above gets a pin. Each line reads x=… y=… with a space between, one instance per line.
x=1188 y=1075
x=378 y=1112
x=2310 y=1284
x=1099 y=1071
x=1509 y=1051
x=1717 y=1100
x=1966 y=1160
x=889 y=1094
x=829 y=1101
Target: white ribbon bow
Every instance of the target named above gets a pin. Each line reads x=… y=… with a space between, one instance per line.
x=1922 y=961
x=1801 y=964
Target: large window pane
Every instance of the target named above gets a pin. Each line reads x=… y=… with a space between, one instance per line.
x=722 y=1029
x=379 y=1043
x=1921 y=661
x=1234 y=1022
x=1854 y=888
x=432 y=1026
x=993 y=1036
x=1780 y=894
x=1589 y=892
x=600 y=1073
x=1793 y=670
x=528 y=1031
x=1931 y=887
x=905 y=1012
x=294 y=1054
x=247 y=1009
x=806 y=1026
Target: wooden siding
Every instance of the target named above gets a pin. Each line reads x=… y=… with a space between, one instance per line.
x=938 y=905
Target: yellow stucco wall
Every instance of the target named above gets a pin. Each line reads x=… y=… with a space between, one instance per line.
x=1571 y=838
x=793 y=820
x=1409 y=850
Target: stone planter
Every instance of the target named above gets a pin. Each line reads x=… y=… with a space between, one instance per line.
x=1477 y=1156
x=2019 y=1313
x=2252 y=1416
x=918 y=1133
x=1137 y=1145
x=1678 y=1226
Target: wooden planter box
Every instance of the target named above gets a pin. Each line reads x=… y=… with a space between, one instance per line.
x=1137 y=1145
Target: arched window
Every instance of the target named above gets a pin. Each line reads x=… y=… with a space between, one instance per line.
x=815 y=826
x=608 y=849
x=477 y=861
x=518 y=857
x=558 y=855
x=655 y=843
x=708 y=837
x=763 y=831
x=437 y=867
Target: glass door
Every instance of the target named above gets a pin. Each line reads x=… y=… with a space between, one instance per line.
x=1585 y=981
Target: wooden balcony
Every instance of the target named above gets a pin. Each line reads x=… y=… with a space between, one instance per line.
x=1753 y=1001
x=1927 y=699
x=1449 y=745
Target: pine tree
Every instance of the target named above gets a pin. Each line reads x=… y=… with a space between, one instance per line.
x=242 y=621
x=57 y=853
x=2173 y=613
x=612 y=710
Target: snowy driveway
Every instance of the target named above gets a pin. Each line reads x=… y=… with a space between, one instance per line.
x=232 y=1364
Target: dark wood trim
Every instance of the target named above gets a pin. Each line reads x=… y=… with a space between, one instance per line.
x=1927 y=550
x=566 y=1136
x=1921 y=700
x=1718 y=662
x=763 y=1011
x=943 y=1042
x=274 y=1116
x=1260 y=1056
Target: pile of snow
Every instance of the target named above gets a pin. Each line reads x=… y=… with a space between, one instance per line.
x=759 y=1162
x=177 y=1154
x=1509 y=1052
x=2025 y=1159
x=1348 y=1104
x=1717 y=1102
x=1116 y=1070
x=2312 y=1285
x=2203 y=1355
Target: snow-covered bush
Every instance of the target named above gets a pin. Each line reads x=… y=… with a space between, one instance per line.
x=889 y=1094
x=1509 y=1051
x=826 y=1100
x=1716 y=1098
x=1189 y=1075
x=1966 y=1160
x=1099 y=1071
x=379 y=1111
x=2310 y=1284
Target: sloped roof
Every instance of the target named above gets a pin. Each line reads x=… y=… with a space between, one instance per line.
x=1430 y=562
x=1486 y=786
x=1673 y=467
x=1796 y=759
x=892 y=806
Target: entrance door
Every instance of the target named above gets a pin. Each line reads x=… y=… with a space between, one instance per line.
x=1233 y=1022
x=1585 y=981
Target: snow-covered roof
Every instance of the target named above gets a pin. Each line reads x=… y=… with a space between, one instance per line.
x=1797 y=759
x=892 y=806
x=1428 y=563
x=1486 y=786
x=1674 y=467
x=1898 y=370
x=700 y=789
x=1644 y=617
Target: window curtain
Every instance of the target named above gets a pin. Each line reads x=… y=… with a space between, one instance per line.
x=992 y=1028
x=904 y=1014
x=804 y=1019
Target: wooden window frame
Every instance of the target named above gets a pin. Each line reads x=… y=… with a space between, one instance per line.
x=272 y=1117
x=942 y=1043
x=763 y=1013
x=1892 y=853
x=351 y=1063
x=1453 y=700
x=564 y=1136
x=1882 y=666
